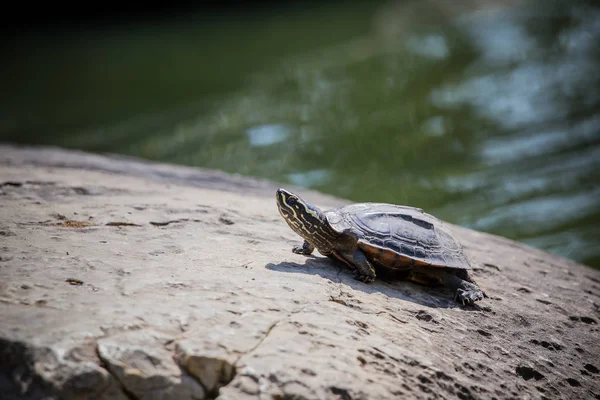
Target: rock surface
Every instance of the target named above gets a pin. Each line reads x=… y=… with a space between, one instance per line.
x=122 y=279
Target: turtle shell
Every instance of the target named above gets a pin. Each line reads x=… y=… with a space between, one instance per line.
x=400 y=237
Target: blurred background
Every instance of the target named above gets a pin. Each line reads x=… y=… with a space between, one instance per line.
x=485 y=113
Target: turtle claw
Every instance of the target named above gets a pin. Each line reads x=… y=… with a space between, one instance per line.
x=303 y=249
x=297 y=250
x=468 y=297
x=368 y=279
x=363 y=278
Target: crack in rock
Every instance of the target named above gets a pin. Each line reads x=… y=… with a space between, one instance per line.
x=269 y=329
x=212 y=365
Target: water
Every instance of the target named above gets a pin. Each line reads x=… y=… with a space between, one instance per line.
x=486 y=114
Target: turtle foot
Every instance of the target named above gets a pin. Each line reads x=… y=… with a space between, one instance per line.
x=363 y=278
x=305 y=248
x=301 y=250
x=468 y=296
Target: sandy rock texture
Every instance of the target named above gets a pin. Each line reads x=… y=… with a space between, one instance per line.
x=122 y=279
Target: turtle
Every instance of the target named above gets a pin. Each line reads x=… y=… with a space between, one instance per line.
x=379 y=237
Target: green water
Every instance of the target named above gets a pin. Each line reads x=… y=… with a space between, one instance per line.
x=487 y=116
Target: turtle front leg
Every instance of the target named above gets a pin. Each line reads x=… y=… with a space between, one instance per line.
x=363 y=269
x=465 y=292
x=305 y=249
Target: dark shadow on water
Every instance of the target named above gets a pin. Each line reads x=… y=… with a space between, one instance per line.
x=387 y=284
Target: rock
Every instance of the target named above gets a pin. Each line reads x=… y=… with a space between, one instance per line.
x=36 y=372
x=145 y=368
x=124 y=279
x=212 y=369
x=211 y=353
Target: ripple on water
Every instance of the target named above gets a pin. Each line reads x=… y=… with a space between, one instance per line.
x=505 y=149
x=266 y=135
x=310 y=178
x=541 y=214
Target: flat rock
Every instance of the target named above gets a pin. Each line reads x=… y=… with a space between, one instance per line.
x=124 y=279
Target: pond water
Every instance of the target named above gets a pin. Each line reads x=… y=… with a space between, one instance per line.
x=484 y=113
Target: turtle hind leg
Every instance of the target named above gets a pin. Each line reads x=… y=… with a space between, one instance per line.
x=305 y=248
x=469 y=278
x=466 y=291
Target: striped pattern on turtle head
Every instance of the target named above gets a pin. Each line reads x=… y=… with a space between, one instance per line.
x=306 y=220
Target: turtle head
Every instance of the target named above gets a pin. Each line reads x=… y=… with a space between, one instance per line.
x=305 y=219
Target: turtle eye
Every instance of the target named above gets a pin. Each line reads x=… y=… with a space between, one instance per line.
x=292 y=200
